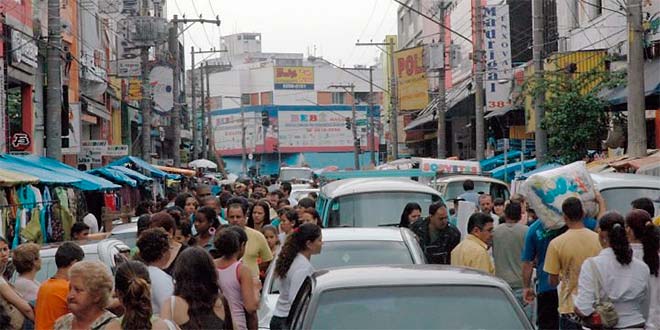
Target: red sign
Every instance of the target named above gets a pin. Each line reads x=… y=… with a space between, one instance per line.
x=20 y=141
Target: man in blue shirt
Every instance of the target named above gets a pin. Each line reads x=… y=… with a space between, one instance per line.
x=536 y=245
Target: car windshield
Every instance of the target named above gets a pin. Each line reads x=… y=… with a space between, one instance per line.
x=455 y=189
x=295 y=174
x=416 y=307
x=358 y=253
x=375 y=208
x=619 y=199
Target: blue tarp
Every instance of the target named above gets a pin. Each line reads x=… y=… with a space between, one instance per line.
x=45 y=176
x=511 y=169
x=137 y=176
x=493 y=162
x=543 y=168
x=114 y=176
x=145 y=166
x=87 y=181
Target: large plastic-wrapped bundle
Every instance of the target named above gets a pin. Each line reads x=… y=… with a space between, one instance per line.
x=546 y=191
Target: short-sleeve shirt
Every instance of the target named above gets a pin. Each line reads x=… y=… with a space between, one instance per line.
x=51 y=303
x=565 y=256
x=472 y=253
x=256 y=248
x=508 y=242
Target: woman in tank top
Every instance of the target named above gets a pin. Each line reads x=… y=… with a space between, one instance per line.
x=234 y=278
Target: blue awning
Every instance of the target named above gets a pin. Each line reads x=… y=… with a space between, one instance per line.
x=511 y=169
x=493 y=162
x=45 y=176
x=114 y=176
x=87 y=182
x=145 y=166
x=139 y=177
x=543 y=168
x=619 y=95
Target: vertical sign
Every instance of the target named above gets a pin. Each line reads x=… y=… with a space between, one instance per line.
x=411 y=79
x=497 y=43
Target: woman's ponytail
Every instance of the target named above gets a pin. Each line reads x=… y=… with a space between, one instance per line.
x=134 y=287
x=295 y=242
x=613 y=224
x=639 y=221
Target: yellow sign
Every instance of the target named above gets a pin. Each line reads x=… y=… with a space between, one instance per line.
x=134 y=90
x=294 y=77
x=411 y=79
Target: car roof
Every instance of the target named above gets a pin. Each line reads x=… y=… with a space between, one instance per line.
x=89 y=247
x=366 y=185
x=403 y=275
x=624 y=180
x=461 y=178
x=125 y=228
x=362 y=234
x=296 y=168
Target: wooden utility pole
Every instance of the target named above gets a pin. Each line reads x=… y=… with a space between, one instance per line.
x=442 y=98
x=350 y=88
x=176 y=110
x=207 y=111
x=145 y=103
x=637 y=143
x=538 y=26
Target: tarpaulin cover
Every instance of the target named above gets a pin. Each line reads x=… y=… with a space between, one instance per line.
x=145 y=166
x=139 y=177
x=10 y=178
x=114 y=176
x=87 y=181
x=176 y=170
x=45 y=176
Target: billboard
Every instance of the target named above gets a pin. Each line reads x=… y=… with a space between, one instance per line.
x=294 y=77
x=315 y=131
x=411 y=79
x=497 y=41
x=161 y=80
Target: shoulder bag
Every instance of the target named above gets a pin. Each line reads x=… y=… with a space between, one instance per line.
x=605 y=308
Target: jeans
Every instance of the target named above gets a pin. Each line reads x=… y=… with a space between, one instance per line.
x=567 y=323
x=279 y=323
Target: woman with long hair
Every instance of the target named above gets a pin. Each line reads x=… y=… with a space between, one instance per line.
x=197 y=302
x=293 y=267
x=614 y=275
x=133 y=288
x=206 y=224
x=411 y=213
x=235 y=280
x=188 y=203
x=645 y=245
x=7 y=292
x=259 y=215
x=167 y=222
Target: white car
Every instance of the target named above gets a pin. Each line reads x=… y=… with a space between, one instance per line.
x=619 y=190
x=345 y=247
x=299 y=194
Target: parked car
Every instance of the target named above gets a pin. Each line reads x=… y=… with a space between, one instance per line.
x=301 y=193
x=296 y=174
x=405 y=297
x=350 y=247
x=125 y=232
x=450 y=187
x=371 y=202
x=109 y=251
x=620 y=189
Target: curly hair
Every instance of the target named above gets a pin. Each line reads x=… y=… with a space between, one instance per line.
x=96 y=277
x=227 y=243
x=153 y=244
x=613 y=224
x=639 y=221
x=133 y=286
x=196 y=282
x=25 y=257
x=295 y=243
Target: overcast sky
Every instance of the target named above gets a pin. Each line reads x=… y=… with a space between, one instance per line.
x=294 y=26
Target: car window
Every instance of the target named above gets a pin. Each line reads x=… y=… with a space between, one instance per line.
x=419 y=307
x=358 y=253
x=619 y=199
x=301 y=305
x=375 y=208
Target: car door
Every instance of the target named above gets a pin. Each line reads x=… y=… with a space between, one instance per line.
x=300 y=306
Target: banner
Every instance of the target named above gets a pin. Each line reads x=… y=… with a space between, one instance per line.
x=162 y=88
x=497 y=41
x=134 y=90
x=294 y=77
x=446 y=166
x=315 y=131
x=411 y=79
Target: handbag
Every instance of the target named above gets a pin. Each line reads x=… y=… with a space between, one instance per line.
x=605 y=308
x=16 y=317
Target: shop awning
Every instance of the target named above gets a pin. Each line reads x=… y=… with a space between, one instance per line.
x=10 y=178
x=87 y=181
x=455 y=95
x=500 y=112
x=619 y=95
x=139 y=177
x=45 y=176
x=177 y=170
x=114 y=176
x=155 y=172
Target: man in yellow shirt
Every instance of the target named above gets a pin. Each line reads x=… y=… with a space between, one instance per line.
x=473 y=251
x=257 y=253
x=565 y=256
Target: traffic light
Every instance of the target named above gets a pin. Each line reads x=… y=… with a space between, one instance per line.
x=348 y=123
x=265 y=120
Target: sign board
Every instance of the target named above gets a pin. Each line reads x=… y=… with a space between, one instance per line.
x=129 y=67
x=412 y=82
x=116 y=150
x=23 y=49
x=446 y=166
x=20 y=141
x=361 y=122
x=96 y=146
x=162 y=88
x=497 y=41
x=294 y=77
x=134 y=90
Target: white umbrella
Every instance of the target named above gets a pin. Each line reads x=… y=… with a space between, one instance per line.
x=202 y=163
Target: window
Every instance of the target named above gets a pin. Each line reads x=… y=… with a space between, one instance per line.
x=374 y=208
x=338 y=97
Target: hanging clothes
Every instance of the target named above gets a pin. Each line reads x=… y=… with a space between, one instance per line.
x=4 y=212
x=32 y=231
x=109 y=201
x=73 y=203
x=46 y=212
x=56 y=229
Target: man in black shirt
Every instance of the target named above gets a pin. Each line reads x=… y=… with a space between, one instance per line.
x=436 y=236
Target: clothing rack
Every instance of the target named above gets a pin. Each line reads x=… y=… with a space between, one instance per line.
x=24 y=205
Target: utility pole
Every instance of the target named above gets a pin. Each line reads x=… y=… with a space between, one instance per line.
x=541 y=136
x=356 y=142
x=176 y=111
x=479 y=82
x=372 y=122
x=54 y=89
x=442 y=98
x=209 y=129
x=637 y=143
x=243 y=142
x=202 y=122
x=146 y=96
x=193 y=94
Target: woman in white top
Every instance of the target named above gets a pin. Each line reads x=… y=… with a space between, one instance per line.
x=614 y=275
x=293 y=267
x=643 y=238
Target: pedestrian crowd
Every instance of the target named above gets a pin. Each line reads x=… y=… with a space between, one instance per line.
x=199 y=262
x=599 y=271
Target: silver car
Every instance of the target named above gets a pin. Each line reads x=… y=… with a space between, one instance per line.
x=405 y=297
x=350 y=247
